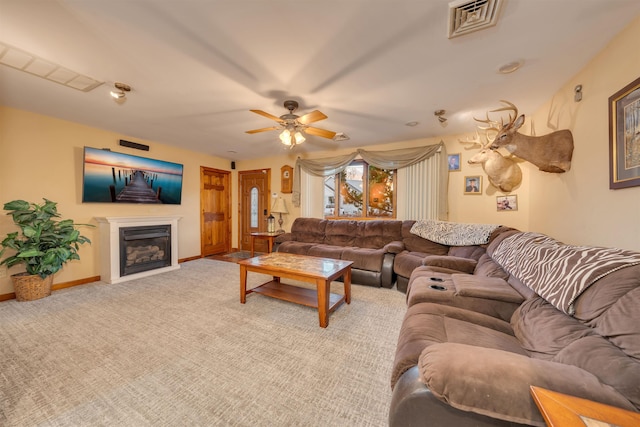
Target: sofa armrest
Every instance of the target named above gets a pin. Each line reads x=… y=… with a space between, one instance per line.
x=284 y=237
x=464 y=265
x=496 y=383
x=394 y=247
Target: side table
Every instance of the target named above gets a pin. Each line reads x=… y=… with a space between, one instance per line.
x=562 y=410
x=269 y=237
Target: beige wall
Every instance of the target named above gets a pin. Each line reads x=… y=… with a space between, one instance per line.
x=42 y=157
x=578 y=207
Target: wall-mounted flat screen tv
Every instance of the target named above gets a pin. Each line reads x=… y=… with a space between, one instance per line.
x=110 y=177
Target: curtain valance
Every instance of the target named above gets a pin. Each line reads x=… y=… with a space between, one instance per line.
x=391 y=159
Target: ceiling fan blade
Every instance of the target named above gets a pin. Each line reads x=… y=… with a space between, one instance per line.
x=262 y=130
x=320 y=132
x=267 y=115
x=314 y=116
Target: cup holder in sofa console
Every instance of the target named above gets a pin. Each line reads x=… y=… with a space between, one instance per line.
x=437 y=287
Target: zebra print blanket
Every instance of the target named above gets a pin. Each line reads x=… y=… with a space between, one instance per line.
x=557 y=272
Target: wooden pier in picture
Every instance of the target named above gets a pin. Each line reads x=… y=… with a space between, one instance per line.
x=137 y=190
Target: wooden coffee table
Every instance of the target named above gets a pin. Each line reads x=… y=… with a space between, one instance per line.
x=319 y=271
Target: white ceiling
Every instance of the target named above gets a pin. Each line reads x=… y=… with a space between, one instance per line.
x=197 y=67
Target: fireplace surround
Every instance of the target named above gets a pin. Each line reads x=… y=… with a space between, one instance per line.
x=152 y=242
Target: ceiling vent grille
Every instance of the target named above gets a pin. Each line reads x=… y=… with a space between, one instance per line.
x=29 y=63
x=467 y=16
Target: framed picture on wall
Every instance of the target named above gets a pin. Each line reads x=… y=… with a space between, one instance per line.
x=453 y=161
x=473 y=184
x=507 y=203
x=624 y=137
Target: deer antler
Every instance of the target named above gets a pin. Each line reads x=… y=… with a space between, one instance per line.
x=510 y=107
x=476 y=141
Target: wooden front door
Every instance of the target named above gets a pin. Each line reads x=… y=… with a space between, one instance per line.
x=255 y=189
x=215 y=211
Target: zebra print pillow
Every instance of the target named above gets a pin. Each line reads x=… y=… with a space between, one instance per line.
x=557 y=272
x=453 y=233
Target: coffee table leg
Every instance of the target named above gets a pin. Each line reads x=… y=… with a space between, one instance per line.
x=243 y=284
x=323 y=302
x=347 y=285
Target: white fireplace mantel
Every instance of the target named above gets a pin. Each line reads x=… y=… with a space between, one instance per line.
x=109 y=244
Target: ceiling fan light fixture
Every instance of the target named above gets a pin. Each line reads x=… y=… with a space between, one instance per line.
x=285 y=137
x=299 y=138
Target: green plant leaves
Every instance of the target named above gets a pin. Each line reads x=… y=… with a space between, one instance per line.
x=45 y=243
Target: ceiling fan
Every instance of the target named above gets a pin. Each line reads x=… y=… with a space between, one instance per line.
x=293 y=125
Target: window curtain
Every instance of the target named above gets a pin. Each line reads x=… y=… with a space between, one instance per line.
x=419 y=190
x=391 y=159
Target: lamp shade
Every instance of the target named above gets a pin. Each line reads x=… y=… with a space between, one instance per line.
x=279 y=206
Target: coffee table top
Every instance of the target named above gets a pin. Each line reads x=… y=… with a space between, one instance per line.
x=293 y=263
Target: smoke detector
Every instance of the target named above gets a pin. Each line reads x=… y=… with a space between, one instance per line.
x=467 y=16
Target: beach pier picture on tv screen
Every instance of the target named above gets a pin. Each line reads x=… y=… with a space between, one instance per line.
x=111 y=177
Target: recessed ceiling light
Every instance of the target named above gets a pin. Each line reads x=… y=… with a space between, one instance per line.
x=412 y=124
x=510 y=67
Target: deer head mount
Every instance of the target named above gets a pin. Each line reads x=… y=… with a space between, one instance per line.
x=550 y=153
x=503 y=173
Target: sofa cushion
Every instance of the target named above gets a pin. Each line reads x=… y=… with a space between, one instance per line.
x=543 y=330
x=464 y=265
x=405 y=262
x=415 y=243
x=497 y=383
x=308 y=230
x=364 y=259
x=326 y=251
x=341 y=233
x=610 y=364
x=378 y=233
x=488 y=267
x=606 y=292
x=426 y=324
x=294 y=247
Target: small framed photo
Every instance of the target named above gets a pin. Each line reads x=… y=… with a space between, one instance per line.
x=454 y=162
x=473 y=185
x=624 y=137
x=507 y=203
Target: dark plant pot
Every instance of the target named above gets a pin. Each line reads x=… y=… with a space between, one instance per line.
x=29 y=287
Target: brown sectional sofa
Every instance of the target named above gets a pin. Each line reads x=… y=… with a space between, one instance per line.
x=531 y=311
x=371 y=245
x=381 y=250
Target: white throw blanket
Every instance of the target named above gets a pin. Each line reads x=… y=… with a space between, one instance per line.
x=453 y=233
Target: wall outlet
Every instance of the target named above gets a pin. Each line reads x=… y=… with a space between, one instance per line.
x=3 y=271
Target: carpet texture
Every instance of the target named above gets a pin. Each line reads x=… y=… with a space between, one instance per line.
x=178 y=348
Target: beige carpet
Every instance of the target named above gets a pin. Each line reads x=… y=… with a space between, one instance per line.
x=179 y=349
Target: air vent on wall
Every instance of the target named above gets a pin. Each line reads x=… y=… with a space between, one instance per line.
x=467 y=16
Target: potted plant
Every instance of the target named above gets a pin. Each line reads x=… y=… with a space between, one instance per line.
x=43 y=244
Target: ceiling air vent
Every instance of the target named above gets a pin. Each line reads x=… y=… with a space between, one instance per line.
x=467 y=16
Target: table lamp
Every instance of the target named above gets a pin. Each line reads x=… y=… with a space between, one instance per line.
x=279 y=207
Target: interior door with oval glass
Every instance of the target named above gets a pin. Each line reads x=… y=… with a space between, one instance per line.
x=255 y=190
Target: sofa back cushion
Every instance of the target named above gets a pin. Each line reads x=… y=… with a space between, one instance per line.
x=414 y=243
x=308 y=230
x=376 y=234
x=341 y=232
x=471 y=252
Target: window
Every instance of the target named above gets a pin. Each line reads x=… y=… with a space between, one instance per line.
x=364 y=191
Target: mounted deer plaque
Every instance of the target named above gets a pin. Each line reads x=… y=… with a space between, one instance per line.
x=550 y=153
